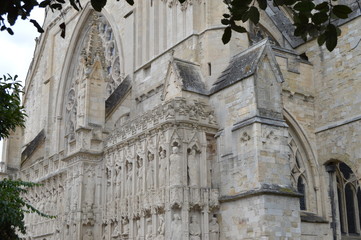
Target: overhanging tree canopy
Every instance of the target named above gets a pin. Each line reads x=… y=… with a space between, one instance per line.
x=312 y=18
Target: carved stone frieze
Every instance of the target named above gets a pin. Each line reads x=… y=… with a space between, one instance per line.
x=177 y=109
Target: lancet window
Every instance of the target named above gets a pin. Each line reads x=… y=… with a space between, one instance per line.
x=349 y=200
x=302 y=173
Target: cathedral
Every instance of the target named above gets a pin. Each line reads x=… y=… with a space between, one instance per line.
x=143 y=125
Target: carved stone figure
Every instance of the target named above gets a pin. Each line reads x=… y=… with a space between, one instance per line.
x=148 y=236
x=106 y=233
x=162 y=168
x=129 y=179
x=116 y=233
x=176 y=227
x=175 y=167
x=88 y=235
x=194 y=229
x=214 y=229
x=125 y=224
x=118 y=181
x=150 y=171
x=139 y=174
x=193 y=168
x=138 y=230
x=161 y=228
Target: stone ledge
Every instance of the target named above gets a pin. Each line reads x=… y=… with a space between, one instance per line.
x=266 y=189
x=258 y=119
x=312 y=218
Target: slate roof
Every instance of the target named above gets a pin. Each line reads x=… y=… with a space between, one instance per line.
x=33 y=145
x=118 y=95
x=240 y=67
x=191 y=76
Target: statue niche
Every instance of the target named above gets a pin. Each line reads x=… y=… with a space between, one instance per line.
x=162 y=168
x=193 y=167
x=175 y=167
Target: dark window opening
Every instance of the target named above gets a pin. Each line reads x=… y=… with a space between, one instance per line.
x=301 y=189
x=350 y=209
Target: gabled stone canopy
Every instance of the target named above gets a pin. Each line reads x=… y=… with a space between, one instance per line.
x=245 y=64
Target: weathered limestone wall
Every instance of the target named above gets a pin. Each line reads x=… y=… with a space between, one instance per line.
x=261 y=217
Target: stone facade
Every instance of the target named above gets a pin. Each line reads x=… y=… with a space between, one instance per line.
x=143 y=125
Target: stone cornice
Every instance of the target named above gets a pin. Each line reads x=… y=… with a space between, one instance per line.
x=266 y=189
x=176 y=111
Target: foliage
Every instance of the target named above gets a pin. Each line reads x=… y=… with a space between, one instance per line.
x=312 y=18
x=11 y=111
x=13 y=207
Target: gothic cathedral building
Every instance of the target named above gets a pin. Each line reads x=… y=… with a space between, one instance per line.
x=142 y=125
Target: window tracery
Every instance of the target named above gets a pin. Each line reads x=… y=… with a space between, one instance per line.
x=349 y=200
x=302 y=173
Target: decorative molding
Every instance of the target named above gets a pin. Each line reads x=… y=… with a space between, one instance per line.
x=174 y=111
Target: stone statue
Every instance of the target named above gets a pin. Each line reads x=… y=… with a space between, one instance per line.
x=129 y=179
x=194 y=229
x=138 y=230
x=88 y=235
x=140 y=174
x=116 y=232
x=175 y=167
x=193 y=168
x=125 y=227
x=162 y=168
x=106 y=233
x=148 y=236
x=214 y=229
x=176 y=227
x=119 y=182
x=161 y=228
x=150 y=171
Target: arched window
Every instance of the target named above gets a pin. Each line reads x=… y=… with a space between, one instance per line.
x=305 y=175
x=300 y=171
x=349 y=201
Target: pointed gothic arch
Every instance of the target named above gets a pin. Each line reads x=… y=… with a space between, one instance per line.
x=95 y=50
x=349 y=201
x=305 y=171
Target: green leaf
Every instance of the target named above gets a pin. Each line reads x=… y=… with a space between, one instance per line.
x=321 y=39
x=56 y=6
x=319 y=18
x=278 y=2
x=290 y=2
x=131 y=2
x=323 y=7
x=36 y=24
x=98 y=4
x=341 y=11
x=262 y=4
x=238 y=28
x=331 y=37
x=227 y=35
x=304 y=6
x=44 y=4
x=254 y=14
x=225 y=21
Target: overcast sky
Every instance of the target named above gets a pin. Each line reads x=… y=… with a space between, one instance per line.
x=17 y=50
